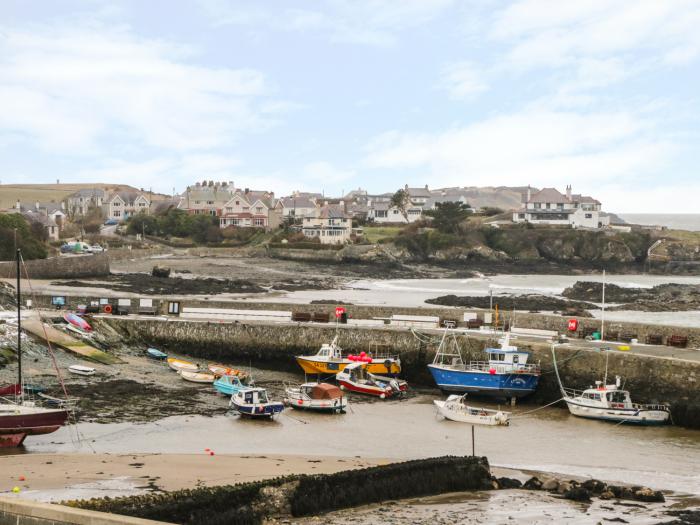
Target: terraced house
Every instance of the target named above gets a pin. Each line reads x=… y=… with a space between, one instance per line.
x=207 y=198
x=124 y=204
x=330 y=224
x=252 y=209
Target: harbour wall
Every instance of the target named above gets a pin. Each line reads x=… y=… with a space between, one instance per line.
x=15 y=511
x=650 y=379
x=62 y=267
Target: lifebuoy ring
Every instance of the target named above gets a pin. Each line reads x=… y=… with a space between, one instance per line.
x=107 y=309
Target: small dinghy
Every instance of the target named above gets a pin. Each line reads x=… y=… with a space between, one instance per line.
x=77 y=321
x=156 y=354
x=181 y=364
x=455 y=408
x=11 y=390
x=196 y=377
x=319 y=397
x=221 y=370
x=81 y=370
x=229 y=385
x=253 y=402
x=356 y=378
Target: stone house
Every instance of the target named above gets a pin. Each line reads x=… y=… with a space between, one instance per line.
x=121 y=205
x=252 y=209
x=78 y=203
x=330 y=224
x=207 y=197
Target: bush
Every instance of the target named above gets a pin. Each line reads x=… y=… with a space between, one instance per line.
x=29 y=239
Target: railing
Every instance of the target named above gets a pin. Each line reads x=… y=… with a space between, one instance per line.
x=486 y=366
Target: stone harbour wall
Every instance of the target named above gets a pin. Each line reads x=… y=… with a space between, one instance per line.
x=62 y=267
x=650 y=379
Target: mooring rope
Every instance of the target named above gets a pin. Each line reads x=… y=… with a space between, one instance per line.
x=521 y=414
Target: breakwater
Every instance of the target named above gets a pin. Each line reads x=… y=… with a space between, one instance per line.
x=303 y=495
x=650 y=379
x=62 y=267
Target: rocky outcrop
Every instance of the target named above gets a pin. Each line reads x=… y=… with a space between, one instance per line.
x=532 y=302
x=661 y=298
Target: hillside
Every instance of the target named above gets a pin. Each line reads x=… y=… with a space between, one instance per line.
x=9 y=193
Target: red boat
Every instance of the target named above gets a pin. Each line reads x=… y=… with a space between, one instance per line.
x=17 y=421
x=19 y=417
x=356 y=378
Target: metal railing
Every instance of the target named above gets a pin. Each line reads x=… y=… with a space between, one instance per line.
x=486 y=366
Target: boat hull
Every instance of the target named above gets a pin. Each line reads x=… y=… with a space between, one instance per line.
x=455 y=413
x=197 y=377
x=156 y=354
x=318 y=405
x=267 y=410
x=613 y=415
x=370 y=390
x=494 y=385
x=314 y=365
x=177 y=365
x=15 y=428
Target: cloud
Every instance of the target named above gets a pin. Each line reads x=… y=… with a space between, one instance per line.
x=92 y=89
x=367 y=22
x=462 y=80
x=534 y=146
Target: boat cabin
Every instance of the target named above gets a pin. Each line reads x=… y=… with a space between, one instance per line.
x=501 y=356
x=254 y=396
x=608 y=396
x=331 y=351
x=321 y=391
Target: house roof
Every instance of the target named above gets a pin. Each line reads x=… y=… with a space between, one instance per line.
x=419 y=192
x=87 y=193
x=297 y=202
x=39 y=218
x=127 y=196
x=380 y=205
x=332 y=212
x=549 y=195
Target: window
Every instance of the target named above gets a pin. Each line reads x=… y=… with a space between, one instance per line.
x=196 y=202
x=229 y=209
x=238 y=203
x=258 y=209
x=589 y=216
x=259 y=222
x=538 y=205
x=396 y=212
x=246 y=208
x=210 y=202
x=516 y=359
x=521 y=215
x=117 y=213
x=116 y=204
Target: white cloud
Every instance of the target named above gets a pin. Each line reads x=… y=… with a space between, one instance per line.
x=325 y=173
x=87 y=89
x=368 y=22
x=536 y=147
x=462 y=80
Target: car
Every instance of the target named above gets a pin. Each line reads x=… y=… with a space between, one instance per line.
x=66 y=248
x=111 y=222
x=95 y=248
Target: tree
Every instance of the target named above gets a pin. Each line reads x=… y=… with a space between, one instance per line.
x=29 y=240
x=402 y=201
x=447 y=216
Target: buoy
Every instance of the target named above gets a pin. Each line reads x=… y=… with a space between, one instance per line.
x=624 y=348
x=211 y=452
x=207 y=450
x=22 y=478
x=15 y=490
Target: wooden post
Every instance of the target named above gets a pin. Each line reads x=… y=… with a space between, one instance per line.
x=473 y=446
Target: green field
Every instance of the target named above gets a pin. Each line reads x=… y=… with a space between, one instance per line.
x=9 y=193
x=376 y=233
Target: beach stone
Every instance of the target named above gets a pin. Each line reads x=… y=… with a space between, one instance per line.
x=564 y=487
x=509 y=483
x=578 y=494
x=647 y=495
x=160 y=271
x=533 y=483
x=607 y=494
x=550 y=485
x=595 y=486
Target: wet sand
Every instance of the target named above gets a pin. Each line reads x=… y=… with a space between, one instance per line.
x=57 y=477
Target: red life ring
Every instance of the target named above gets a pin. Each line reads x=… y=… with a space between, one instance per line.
x=107 y=309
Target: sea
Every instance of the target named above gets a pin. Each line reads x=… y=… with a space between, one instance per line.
x=672 y=221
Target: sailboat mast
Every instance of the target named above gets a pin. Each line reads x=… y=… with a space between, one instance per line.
x=19 y=325
x=602 y=315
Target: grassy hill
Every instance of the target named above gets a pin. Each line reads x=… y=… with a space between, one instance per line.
x=9 y=193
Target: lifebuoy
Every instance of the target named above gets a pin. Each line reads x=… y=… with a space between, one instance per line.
x=107 y=309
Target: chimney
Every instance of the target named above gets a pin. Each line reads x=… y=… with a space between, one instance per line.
x=529 y=193
x=568 y=191
x=247 y=191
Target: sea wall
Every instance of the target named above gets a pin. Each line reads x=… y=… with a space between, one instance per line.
x=304 y=495
x=62 y=267
x=651 y=379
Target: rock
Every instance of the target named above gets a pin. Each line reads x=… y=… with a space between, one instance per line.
x=533 y=484
x=564 y=487
x=550 y=485
x=647 y=495
x=606 y=494
x=595 y=486
x=578 y=494
x=160 y=271
x=509 y=483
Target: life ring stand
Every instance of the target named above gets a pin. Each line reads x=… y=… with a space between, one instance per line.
x=107 y=309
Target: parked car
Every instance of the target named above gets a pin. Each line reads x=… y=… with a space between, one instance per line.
x=95 y=248
x=111 y=222
x=66 y=248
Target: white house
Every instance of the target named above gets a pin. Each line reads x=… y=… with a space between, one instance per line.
x=207 y=197
x=50 y=226
x=299 y=204
x=330 y=224
x=252 y=209
x=381 y=211
x=81 y=201
x=124 y=204
x=549 y=206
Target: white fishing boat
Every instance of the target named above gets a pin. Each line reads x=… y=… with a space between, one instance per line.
x=318 y=397
x=81 y=370
x=455 y=408
x=197 y=377
x=610 y=402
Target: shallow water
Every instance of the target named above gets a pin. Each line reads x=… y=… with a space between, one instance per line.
x=547 y=440
x=414 y=292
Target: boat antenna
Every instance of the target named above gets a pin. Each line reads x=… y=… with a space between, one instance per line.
x=607 y=355
x=19 y=327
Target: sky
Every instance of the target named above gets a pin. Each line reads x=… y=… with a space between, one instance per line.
x=332 y=95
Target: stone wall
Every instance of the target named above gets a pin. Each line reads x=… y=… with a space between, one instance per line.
x=64 y=267
x=650 y=379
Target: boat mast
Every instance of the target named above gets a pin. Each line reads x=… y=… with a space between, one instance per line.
x=19 y=327
x=602 y=315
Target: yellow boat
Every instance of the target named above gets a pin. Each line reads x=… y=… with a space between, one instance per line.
x=330 y=360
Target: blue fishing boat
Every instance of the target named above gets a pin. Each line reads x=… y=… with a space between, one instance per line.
x=229 y=385
x=506 y=373
x=253 y=402
x=156 y=354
